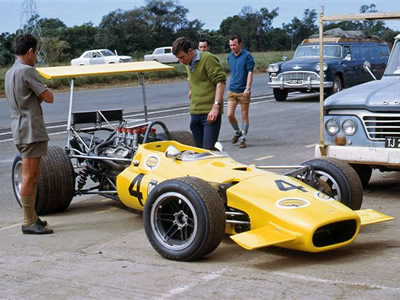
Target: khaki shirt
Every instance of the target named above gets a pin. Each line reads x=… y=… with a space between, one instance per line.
x=23 y=88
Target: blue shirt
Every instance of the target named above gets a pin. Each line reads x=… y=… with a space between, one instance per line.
x=195 y=60
x=240 y=67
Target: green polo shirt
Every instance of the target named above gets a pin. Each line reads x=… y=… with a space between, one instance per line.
x=203 y=80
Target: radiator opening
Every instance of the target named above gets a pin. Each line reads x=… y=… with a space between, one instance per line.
x=334 y=233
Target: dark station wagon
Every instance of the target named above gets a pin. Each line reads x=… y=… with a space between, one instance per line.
x=345 y=54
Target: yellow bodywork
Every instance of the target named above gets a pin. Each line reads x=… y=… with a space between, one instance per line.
x=282 y=210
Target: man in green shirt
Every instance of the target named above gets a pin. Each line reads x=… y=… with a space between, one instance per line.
x=207 y=81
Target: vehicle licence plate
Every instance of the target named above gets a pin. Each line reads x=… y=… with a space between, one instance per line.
x=295 y=81
x=392 y=142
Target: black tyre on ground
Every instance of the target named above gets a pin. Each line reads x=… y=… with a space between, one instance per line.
x=16 y=177
x=183 y=137
x=364 y=172
x=56 y=183
x=184 y=219
x=337 y=86
x=280 y=95
x=338 y=180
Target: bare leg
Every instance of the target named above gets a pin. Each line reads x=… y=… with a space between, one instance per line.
x=31 y=174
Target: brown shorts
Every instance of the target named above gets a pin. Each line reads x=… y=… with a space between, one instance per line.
x=33 y=150
x=238 y=97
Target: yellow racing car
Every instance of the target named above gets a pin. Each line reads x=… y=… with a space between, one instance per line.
x=191 y=197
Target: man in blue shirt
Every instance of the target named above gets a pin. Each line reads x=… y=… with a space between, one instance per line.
x=241 y=64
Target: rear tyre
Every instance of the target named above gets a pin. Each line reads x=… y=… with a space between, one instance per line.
x=57 y=183
x=280 y=95
x=337 y=86
x=364 y=172
x=338 y=180
x=16 y=178
x=184 y=219
x=183 y=137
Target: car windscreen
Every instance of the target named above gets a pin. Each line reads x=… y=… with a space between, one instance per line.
x=313 y=51
x=393 y=66
x=107 y=53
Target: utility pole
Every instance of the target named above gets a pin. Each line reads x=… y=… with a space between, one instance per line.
x=29 y=24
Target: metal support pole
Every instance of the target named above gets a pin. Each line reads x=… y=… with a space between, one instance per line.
x=71 y=96
x=321 y=83
x=141 y=77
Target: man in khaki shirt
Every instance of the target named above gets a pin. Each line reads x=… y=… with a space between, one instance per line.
x=25 y=93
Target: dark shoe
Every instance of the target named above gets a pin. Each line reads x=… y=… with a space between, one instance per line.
x=243 y=144
x=43 y=222
x=36 y=228
x=236 y=138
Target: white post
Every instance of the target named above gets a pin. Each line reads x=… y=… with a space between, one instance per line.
x=141 y=75
x=71 y=96
x=321 y=82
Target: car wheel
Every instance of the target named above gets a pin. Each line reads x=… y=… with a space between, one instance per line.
x=56 y=185
x=338 y=180
x=280 y=95
x=183 y=137
x=364 y=172
x=16 y=177
x=337 y=86
x=184 y=219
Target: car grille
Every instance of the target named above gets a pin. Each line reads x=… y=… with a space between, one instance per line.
x=380 y=127
x=287 y=76
x=125 y=60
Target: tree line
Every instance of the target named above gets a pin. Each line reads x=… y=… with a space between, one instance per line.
x=158 y=23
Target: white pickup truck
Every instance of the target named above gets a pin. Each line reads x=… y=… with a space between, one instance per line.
x=162 y=55
x=362 y=123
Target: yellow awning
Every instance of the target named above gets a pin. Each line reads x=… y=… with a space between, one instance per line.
x=90 y=70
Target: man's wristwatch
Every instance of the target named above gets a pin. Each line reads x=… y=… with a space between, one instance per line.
x=247 y=89
x=216 y=102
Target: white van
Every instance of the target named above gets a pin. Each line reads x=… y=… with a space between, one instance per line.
x=162 y=55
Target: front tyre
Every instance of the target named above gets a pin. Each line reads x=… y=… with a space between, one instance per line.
x=280 y=95
x=184 y=219
x=338 y=180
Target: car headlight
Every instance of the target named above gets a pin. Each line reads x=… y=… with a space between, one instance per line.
x=349 y=127
x=332 y=126
x=272 y=68
x=317 y=67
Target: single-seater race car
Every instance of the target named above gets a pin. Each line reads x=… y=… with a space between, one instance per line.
x=191 y=197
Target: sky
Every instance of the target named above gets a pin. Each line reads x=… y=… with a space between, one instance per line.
x=78 y=12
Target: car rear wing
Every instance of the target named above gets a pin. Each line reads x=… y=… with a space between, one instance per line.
x=93 y=70
x=350 y=17
x=73 y=72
